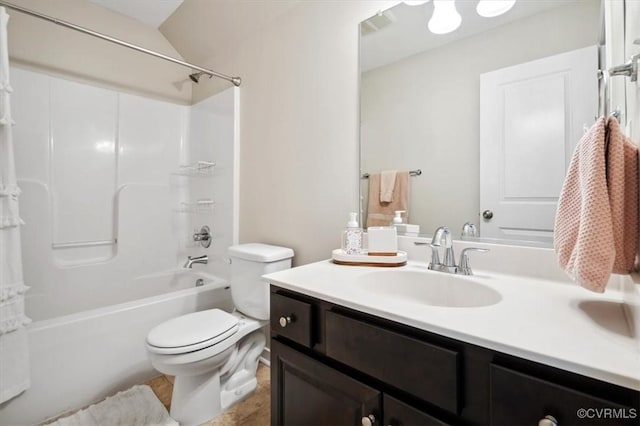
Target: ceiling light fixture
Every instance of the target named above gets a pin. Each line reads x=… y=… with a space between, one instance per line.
x=445 y=17
x=491 y=8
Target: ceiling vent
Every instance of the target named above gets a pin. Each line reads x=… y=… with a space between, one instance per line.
x=377 y=22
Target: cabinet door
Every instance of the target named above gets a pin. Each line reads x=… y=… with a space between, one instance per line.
x=306 y=392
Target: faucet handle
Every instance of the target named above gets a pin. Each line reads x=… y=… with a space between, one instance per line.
x=463 y=267
x=469 y=230
x=435 y=257
x=203 y=236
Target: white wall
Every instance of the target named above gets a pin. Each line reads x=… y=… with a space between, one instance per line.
x=413 y=118
x=74 y=142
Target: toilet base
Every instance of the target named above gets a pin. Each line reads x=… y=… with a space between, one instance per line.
x=230 y=397
x=196 y=399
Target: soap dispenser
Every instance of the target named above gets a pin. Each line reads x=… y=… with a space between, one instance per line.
x=402 y=228
x=352 y=236
x=397 y=219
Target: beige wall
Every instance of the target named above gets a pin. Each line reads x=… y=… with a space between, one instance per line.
x=413 y=118
x=298 y=124
x=40 y=45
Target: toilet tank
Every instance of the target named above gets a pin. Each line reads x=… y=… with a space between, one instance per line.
x=249 y=262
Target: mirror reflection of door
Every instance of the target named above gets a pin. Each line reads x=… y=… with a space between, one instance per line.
x=531 y=117
x=420 y=99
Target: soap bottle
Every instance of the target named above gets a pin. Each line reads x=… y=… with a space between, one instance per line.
x=397 y=219
x=352 y=236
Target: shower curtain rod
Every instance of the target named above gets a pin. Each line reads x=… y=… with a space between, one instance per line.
x=235 y=80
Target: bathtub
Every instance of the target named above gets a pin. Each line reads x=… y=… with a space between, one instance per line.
x=81 y=358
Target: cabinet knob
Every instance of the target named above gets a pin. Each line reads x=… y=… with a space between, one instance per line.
x=548 y=421
x=369 y=420
x=284 y=321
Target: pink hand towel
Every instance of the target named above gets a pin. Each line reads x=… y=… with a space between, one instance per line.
x=387 y=185
x=596 y=227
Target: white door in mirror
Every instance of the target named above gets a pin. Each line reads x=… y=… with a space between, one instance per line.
x=532 y=115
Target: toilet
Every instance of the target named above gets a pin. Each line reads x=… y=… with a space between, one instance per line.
x=214 y=354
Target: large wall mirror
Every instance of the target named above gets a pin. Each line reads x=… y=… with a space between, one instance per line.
x=489 y=113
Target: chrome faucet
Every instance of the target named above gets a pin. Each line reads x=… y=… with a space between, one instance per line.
x=204 y=259
x=449 y=264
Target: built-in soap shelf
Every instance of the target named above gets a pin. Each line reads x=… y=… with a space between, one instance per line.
x=199 y=168
x=200 y=206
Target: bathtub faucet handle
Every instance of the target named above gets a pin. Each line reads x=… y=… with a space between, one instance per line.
x=203 y=236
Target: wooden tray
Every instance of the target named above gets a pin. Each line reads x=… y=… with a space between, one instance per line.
x=339 y=257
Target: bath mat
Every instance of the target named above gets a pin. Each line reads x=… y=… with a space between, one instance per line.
x=137 y=406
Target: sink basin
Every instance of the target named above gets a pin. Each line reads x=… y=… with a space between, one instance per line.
x=429 y=288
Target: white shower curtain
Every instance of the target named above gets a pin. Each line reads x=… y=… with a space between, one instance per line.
x=14 y=355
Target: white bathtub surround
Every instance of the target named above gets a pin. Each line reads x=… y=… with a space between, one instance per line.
x=14 y=350
x=119 y=167
x=93 y=304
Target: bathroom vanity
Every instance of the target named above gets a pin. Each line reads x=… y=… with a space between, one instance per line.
x=343 y=353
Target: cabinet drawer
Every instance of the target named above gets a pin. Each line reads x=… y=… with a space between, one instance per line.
x=397 y=413
x=427 y=371
x=517 y=398
x=291 y=318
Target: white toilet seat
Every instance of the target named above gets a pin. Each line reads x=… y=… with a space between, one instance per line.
x=192 y=332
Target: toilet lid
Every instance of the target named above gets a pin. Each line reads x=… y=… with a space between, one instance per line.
x=193 y=331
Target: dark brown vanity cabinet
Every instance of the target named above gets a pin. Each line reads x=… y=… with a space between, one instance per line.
x=311 y=393
x=334 y=366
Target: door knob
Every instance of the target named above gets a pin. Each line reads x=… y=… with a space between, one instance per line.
x=487 y=214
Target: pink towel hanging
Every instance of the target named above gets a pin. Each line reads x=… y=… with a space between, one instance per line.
x=596 y=227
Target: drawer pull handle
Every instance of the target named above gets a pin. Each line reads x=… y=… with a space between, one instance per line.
x=548 y=421
x=285 y=321
x=369 y=420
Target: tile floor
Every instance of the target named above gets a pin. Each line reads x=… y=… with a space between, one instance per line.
x=253 y=411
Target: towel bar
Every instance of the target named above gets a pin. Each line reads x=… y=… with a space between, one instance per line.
x=416 y=172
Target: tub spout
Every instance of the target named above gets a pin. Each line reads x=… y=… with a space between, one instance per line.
x=204 y=259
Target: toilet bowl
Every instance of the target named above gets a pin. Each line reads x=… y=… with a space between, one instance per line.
x=214 y=354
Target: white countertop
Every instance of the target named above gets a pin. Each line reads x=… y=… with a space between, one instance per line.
x=551 y=322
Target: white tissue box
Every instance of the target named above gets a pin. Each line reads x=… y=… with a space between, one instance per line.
x=383 y=241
